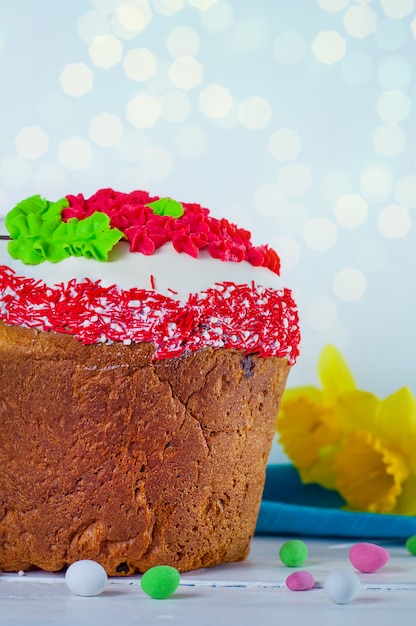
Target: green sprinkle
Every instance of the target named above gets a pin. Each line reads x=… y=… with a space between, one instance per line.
x=411 y=545
x=160 y=582
x=293 y=553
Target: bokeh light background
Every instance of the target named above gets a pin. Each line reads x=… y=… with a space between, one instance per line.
x=293 y=118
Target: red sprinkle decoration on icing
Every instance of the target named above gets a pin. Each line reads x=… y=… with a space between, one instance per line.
x=250 y=318
x=193 y=231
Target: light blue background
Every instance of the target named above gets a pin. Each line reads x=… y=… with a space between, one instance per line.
x=293 y=118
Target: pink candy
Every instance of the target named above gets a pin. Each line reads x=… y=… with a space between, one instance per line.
x=300 y=581
x=368 y=557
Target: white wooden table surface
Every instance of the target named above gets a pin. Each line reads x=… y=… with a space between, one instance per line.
x=240 y=594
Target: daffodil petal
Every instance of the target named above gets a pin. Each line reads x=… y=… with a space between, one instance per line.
x=357 y=410
x=322 y=471
x=313 y=394
x=370 y=477
x=397 y=420
x=334 y=372
x=305 y=426
x=297 y=417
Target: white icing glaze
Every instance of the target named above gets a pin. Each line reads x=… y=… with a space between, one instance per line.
x=174 y=275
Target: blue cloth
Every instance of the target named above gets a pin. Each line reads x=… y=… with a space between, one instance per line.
x=291 y=508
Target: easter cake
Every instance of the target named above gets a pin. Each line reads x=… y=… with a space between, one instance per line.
x=144 y=349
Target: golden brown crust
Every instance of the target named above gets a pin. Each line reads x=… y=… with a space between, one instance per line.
x=108 y=455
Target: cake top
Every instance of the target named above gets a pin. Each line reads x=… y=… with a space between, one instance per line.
x=51 y=231
x=192 y=281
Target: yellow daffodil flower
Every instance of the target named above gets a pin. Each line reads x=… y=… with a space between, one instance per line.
x=308 y=423
x=376 y=459
x=349 y=440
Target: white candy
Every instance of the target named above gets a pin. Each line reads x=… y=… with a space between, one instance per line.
x=342 y=586
x=86 y=578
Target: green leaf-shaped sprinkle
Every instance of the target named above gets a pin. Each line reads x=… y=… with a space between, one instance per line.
x=167 y=206
x=39 y=234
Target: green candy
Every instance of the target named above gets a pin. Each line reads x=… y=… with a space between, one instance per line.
x=411 y=545
x=160 y=582
x=293 y=553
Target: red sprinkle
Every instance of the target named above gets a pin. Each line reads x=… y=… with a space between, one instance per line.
x=250 y=318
